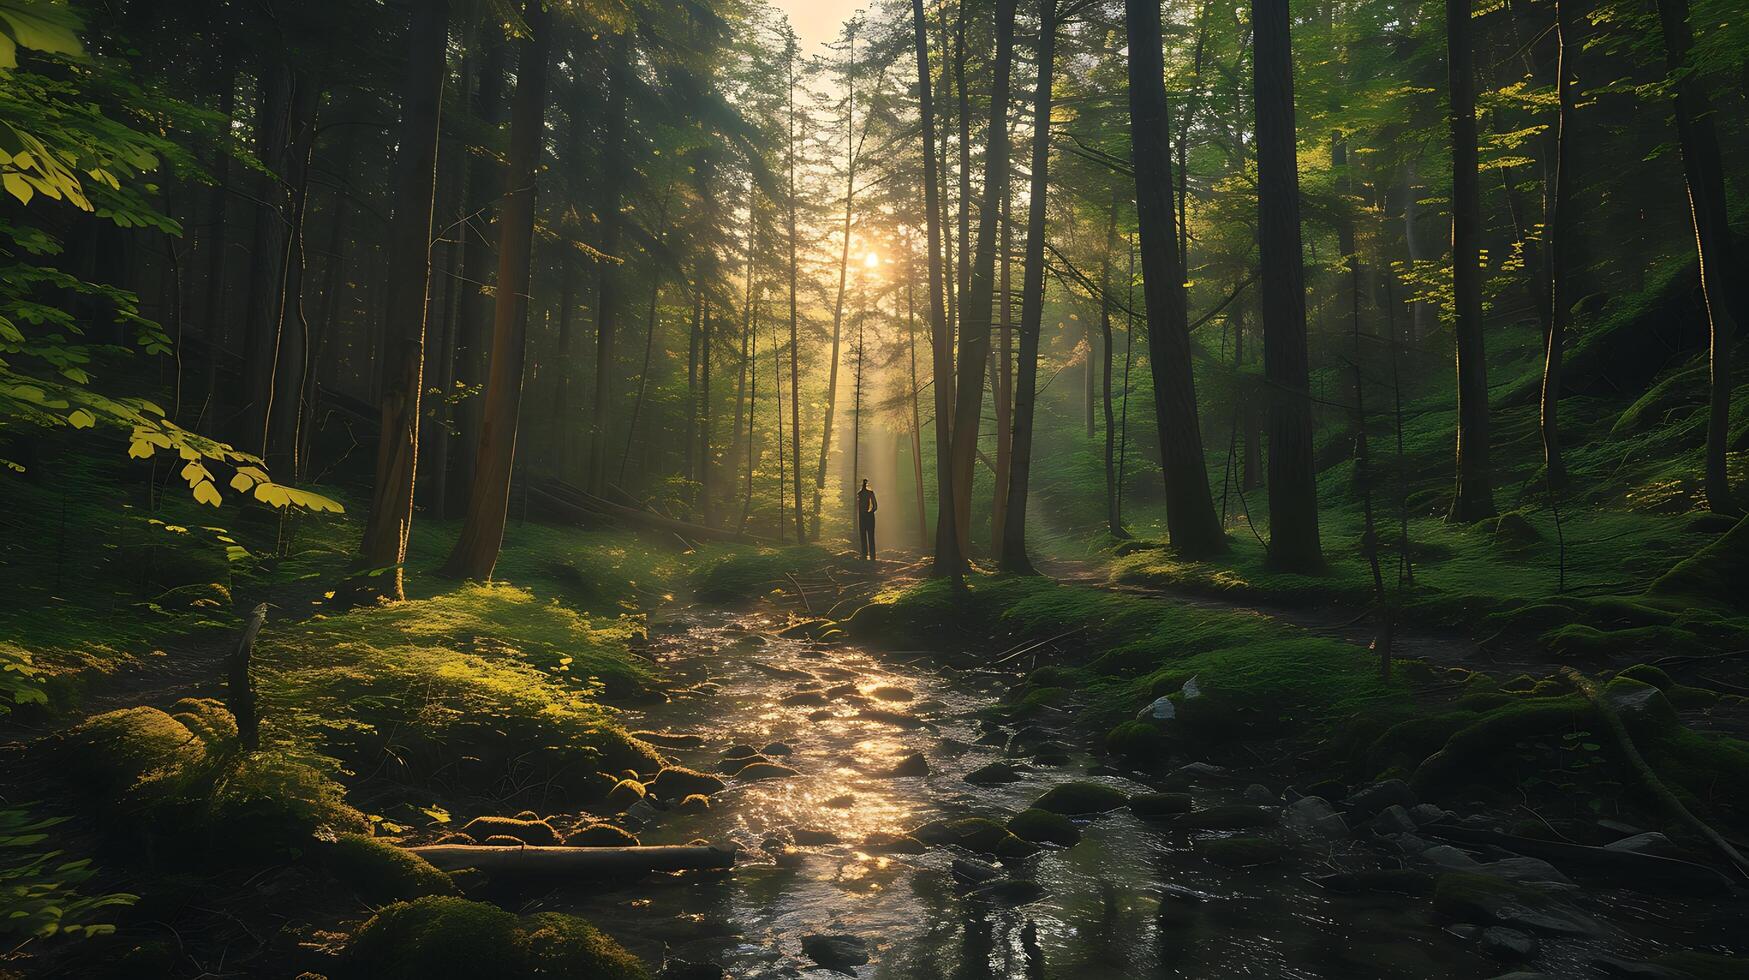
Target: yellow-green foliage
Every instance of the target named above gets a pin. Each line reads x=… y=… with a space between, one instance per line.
x=447 y=938
x=380 y=871
x=487 y=672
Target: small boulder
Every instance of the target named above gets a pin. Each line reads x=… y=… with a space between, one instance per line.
x=810 y=837
x=1009 y=891
x=890 y=692
x=912 y=765
x=695 y=803
x=765 y=770
x=977 y=834
x=602 y=835
x=775 y=748
x=1508 y=945
x=993 y=774
x=678 y=782
x=972 y=871
x=1313 y=816
x=1081 y=798
x=735 y=764
x=842 y=953
x=624 y=793
x=882 y=842
x=1368 y=801
x=1044 y=827
x=1393 y=819
x=1261 y=795
x=1153 y=806
x=538 y=833
x=670 y=740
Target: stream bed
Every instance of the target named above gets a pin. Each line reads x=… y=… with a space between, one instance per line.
x=1132 y=899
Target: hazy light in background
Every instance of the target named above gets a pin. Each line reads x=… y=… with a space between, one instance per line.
x=817 y=21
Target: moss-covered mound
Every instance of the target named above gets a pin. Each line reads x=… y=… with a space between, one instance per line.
x=446 y=938
x=536 y=833
x=748 y=574
x=978 y=834
x=1716 y=573
x=471 y=684
x=381 y=871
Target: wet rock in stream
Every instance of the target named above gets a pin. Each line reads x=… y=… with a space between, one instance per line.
x=1154 y=806
x=1081 y=798
x=838 y=952
x=764 y=770
x=678 y=782
x=912 y=765
x=533 y=832
x=994 y=774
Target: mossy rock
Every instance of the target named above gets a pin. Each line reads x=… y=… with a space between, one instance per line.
x=602 y=835
x=881 y=842
x=536 y=833
x=1680 y=695
x=1081 y=798
x=381 y=871
x=1241 y=852
x=979 y=834
x=624 y=793
x=137 y=754
x=1044 y=827
x=1513 y=532
x=1137 y=741
x=1471 y=753
x=993 y=774
x=678 y=782
x=696 y=803
x=448 y=938
x=199 y=595
x=1155 y=806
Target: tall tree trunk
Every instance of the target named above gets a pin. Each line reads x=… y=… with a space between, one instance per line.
x=963 y=117
x=1004 y=383
x=1251 y=468
x=476 y=551
x=409 y=282
x=1113 y=522
x=1704 y=172
x=916 y=414
x=979 y=301
x=650 y=325
x=607 y=306
x=850 y=154
x=1560 y=248
x=947 y=555
x=1032 y=299
x=1191 y=522
x=474 y=317
x=705 y=483
x=287 y=399
x=1293 y=479
x=1473 y=498
x=795 y=347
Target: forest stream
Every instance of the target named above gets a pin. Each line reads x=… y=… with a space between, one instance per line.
x=1133 y=898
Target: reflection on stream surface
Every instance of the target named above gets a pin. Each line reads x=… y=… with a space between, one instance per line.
x=1131 y=900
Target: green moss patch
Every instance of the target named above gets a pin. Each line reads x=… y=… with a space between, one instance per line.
x=446 y=938
x=1077 y=798
x=381 y=871
x=1044 y=827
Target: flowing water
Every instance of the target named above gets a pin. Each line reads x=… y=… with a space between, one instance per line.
x=1133 y=899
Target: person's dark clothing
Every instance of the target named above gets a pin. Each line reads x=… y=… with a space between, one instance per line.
x=866 y=505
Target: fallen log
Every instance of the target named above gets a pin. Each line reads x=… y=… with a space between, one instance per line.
x=577 y=861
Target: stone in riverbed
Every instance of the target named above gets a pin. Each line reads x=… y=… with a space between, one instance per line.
x=912 y=765
x=842 y=953
x=1153 y=806
x=670 y=740
x=896 y=718
x=694 y=804
x=738 y=750
x=765 y=770
x=977 y=834
x=809 y=699
x=1508 y=945
x=1312 y=816
x=1367 y=802
x=890 y=692
x=737 y=763
x=678 y=782
x=624 y=794
x=808 y=837
x=881 y=842
x=601 y=835
x=1044 y=827
x=1261 y=795
x=1081 y=798
x=971 y=871
x=538 y=833
x=1470 y=897
x=775 y=748
x=994 y=773
x=843 y=801
x=1009 y=891
x=1393 y=819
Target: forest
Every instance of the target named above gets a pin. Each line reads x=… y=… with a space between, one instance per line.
x=633 y=489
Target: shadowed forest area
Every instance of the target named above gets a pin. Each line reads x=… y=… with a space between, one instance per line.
x=1306 y=471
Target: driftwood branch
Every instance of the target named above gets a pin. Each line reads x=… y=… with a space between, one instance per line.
x=242 y=686
x=577 y=861
x=1644 y=773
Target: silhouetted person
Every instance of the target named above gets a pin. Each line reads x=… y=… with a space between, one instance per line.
x=866 y=505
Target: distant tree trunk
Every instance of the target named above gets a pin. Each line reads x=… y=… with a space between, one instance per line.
x=916 y=415
x=1193 y=527
x=795 y=346
x=1560 y=232
x=1251 y=470
x=850 y=147
x=650 y=325
x=705 y=483
x=690 y=453
x=963 y=117
x=1704 y=172
x=947 y=556
x=751 y=270
x=1090 y=375
x=979 y=300
x=1293 y=478
x=476 y=551
x=1004 y=384
x=1473 y=498
x=474 y=322
x=607 y=305
x=407 y=304
x=288 y=403
x=1421 y=313
x=1113 y=522
x=216 y=309
x=1032 y=296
